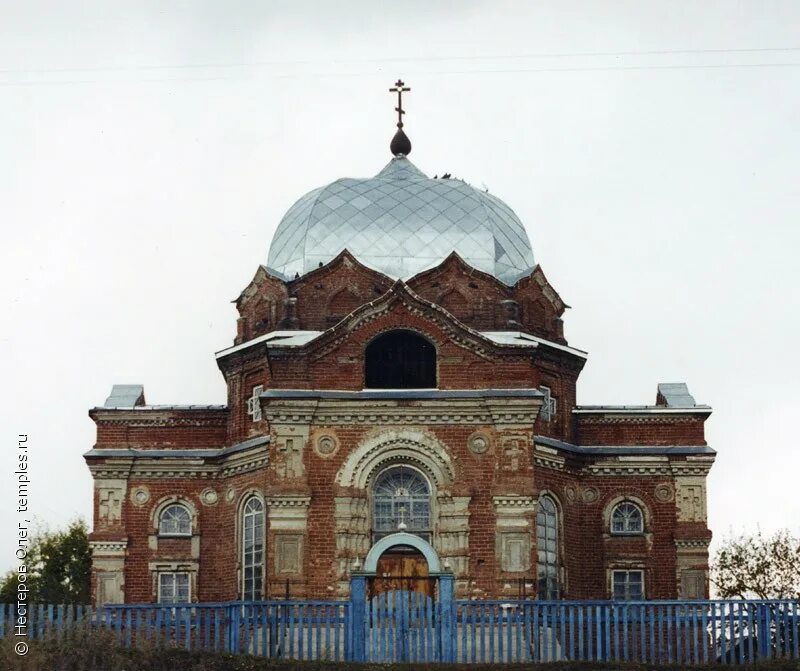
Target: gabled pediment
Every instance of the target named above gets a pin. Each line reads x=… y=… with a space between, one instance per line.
x=453 y=263
x=263 y=276
x=343 y=260
x=401 y=297
x=538 y=279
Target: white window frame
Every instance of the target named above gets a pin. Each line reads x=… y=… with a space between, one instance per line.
x=173 y=576
x=550 y=404
x=179 y=533
x=627 y=572
x=247 y=560
x=627 y=532
x=410 y=526
x=254 y=403
x=556 y=539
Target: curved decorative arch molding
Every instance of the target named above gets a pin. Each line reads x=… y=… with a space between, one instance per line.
x=403 y=446
x=393 y=540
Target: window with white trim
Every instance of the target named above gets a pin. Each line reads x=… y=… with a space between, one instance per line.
x=547 y=565
x=254 y=403
x=175 y=520
x=401 y=501
x=627 y=585
x=173 y=588
x=627 y=518
x=549 y=404
x=252 y=549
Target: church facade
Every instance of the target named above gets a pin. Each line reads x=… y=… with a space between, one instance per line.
x=399 y=364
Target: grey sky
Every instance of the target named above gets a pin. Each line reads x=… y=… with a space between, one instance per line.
x=148 y=152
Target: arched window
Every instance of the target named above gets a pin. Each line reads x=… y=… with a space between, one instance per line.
x=547 y=565
x=627 y=518
x=400 y=360
x=401 y=501
x=175 y=520
x=252 y=549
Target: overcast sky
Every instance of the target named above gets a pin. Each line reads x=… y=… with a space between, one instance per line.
x=148 y=151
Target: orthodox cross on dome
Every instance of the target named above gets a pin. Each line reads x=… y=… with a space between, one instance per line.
x=399 y=88
x=400 y=145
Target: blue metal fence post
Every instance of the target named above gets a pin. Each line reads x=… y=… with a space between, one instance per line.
x=233 y=630
x=764 y=633
x=358 y=617
x=447 y=607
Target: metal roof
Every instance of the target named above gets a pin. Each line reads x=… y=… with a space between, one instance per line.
x=173 y=406
x=299 y=338
x=639 y=409
x=401 y=222
x=623 y=450
x=676 y=395
x=196 y=453
x=125 y=396
x=520 y=338
x=274 y=339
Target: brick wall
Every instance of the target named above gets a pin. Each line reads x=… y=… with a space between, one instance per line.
x=353 y=305
x=320 y=299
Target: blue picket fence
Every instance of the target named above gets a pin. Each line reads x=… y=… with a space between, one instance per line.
x=413 y=627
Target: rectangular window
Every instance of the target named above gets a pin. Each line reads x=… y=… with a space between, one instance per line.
x=173 y=588
x=628 y=585
x=254 y=403
x=549 y=404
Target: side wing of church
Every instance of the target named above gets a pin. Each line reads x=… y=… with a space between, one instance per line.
x=399 y=365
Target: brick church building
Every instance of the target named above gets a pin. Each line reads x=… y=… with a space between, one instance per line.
x=399 y=370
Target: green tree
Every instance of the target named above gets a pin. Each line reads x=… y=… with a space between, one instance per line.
x=758 y=566
x=59 y=568
x=8 y=588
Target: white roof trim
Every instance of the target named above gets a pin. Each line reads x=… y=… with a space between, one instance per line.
x=281 y=338
x=528 y=340
x=299 y=338
x=639 y=410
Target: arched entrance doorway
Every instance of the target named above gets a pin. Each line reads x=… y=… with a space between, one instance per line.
x=400 y=596
x=402 y=562
x=402 y=567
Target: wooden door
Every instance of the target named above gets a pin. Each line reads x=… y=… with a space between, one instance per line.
x=402 y=570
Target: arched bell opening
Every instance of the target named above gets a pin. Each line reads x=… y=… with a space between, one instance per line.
x=400 y=359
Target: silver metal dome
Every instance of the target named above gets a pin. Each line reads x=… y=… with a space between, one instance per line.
x=400 y=222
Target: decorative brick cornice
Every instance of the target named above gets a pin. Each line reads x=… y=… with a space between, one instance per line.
x=150 y=417
x=244 y=465
x=692 y=543
x=514 y=501
x=603 y=420
x=108 y=548
x=337 y=412
x=138 y=468
x=697 y=466
x=142 y=466
x=546 y=457
x=639 y=467
x=289 y=501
